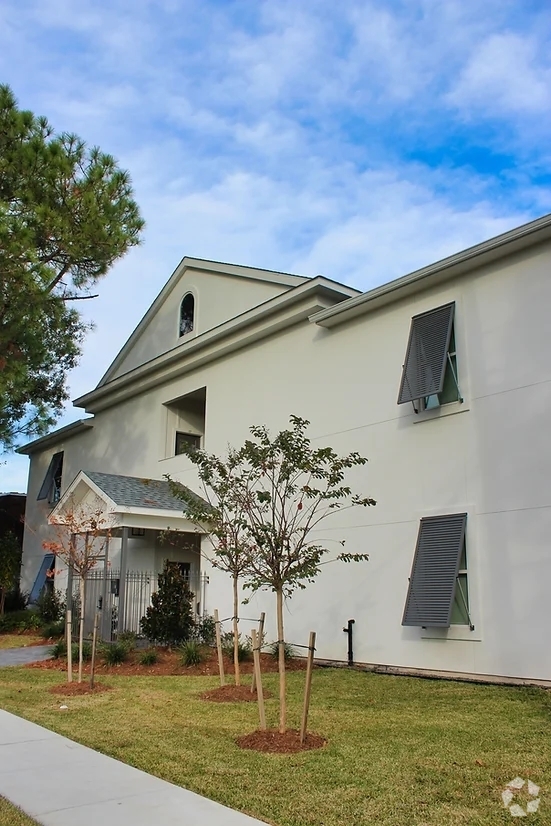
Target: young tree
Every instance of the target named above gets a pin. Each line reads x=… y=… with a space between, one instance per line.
x=10 y=563
x=223 y=513
x=82 y=537
x=288 y=488
x=169 y=618
x=67 y=213
x=279 y=489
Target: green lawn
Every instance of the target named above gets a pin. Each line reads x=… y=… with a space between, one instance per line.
x=11 y=816
x=19 y=641
x=400 y=751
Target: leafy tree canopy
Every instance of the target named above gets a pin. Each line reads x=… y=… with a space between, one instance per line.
x=67 y=213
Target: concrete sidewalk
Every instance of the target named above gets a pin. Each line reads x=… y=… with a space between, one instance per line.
x=23 y=656
x=61 y=783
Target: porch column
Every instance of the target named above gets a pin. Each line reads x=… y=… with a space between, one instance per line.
x=122 y=582
x=105 y=602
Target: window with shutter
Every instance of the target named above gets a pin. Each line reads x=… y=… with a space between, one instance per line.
x=429 y=376
x=51 y=486
x=437 y=594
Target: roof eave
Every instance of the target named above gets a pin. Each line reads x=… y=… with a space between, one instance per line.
x=527 y=235
x=66 y=432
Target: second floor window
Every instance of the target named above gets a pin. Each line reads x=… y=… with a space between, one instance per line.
x=429 y=377
x=187 y=314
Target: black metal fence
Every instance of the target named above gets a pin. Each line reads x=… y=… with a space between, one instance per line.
x=103 y=592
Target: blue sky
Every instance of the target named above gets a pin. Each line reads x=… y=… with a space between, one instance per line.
x=359 y=140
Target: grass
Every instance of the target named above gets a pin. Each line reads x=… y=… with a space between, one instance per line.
x=400 y=752
x=18 y=641
x=12 y=816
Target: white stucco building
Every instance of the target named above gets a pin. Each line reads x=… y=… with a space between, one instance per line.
x=442 y=378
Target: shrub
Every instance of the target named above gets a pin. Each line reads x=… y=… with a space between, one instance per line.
x=59 y=649
x=16 y=600
x=25 y=620
x=114 y=653
x=128 y=638
x=244 y=649
x=149 y=657
x=86 y=651
x=205 y=630
x=169 y=618
x=50 y=605
x=191 y=653
x=53 y=629
x=289 y=651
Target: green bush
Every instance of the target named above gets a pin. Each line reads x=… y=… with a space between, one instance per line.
x=115 y=653
x=59 y=650
x=53 y=629
x=169 y=618
x=244 y=649
x=191 y=653
x=50 y=605
x=128 y=638
x=149 y=657
x=16 y=600
x=205 y=630
x=288 y=649
x=25 y=620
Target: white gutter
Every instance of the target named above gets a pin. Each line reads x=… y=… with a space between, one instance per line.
x=508 y=243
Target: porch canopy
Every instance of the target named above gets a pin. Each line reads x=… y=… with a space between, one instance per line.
x=116 y=505
x=123 y=502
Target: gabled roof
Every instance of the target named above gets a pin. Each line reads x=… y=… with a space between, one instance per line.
x=275 y=314
x=129 y=501
x=133 y=492
x=282 y=279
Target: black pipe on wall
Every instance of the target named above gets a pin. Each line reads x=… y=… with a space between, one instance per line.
x=348 y=630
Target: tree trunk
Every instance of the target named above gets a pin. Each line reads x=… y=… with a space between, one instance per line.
x=281 y=664
x=2 y=600
x=81 y=628
x=236 y=631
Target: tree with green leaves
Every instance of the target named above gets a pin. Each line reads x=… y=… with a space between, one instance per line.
x=67 y=213
x=281 y=489
x=169 y=618
x=10 y=563
x=221 y=512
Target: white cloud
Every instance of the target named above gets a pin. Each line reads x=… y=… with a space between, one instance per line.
x=284 y=135
x=505 y=75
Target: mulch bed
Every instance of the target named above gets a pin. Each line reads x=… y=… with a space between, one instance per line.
x=275 y=743
x=170 y=664
x=72 y=689
x=232 y=694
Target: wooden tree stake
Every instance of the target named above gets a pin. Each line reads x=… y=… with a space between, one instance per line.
x=259 y=691
x=94 y=643
x=69 y=640
x=260 y=638
x=219 y=647
x=308 y=685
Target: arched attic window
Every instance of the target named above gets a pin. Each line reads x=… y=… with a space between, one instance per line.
x=187 y=314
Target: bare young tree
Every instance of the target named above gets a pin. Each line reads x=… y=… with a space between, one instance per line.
x=82 y=534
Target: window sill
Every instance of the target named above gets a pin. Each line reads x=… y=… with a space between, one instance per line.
x=441 y=412
x=454 y=632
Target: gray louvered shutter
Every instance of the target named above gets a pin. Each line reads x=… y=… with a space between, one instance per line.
x=426 y=354
x=53 y=468
x=434 y=573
